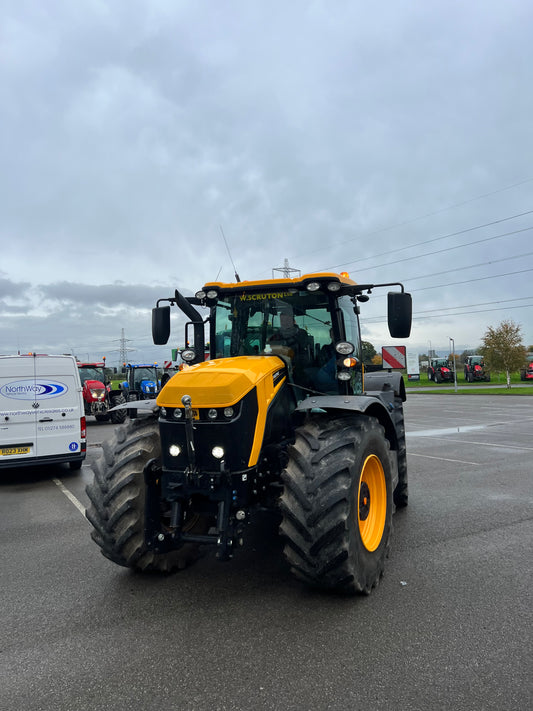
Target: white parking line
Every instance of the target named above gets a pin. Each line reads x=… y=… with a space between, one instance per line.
x=443 y=459
x=484 y=444
x=70 y=496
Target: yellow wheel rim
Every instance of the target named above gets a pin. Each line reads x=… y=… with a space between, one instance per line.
x=372 y=503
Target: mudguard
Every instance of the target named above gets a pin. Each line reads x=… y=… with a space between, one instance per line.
x=384 y=381
x=379 y=405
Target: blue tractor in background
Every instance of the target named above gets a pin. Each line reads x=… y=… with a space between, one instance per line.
x=143 y=381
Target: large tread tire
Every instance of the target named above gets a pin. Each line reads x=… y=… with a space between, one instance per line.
x=321 y=506
x=118 y=416
x=117 y=501
x=401 y=492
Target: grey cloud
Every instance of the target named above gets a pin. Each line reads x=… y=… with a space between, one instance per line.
x=108 y=295
x=132 y=131
x=12 y=289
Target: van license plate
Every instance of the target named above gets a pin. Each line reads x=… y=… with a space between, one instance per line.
x=9 y=451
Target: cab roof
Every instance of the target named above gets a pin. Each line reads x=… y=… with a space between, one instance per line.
x=294 y=283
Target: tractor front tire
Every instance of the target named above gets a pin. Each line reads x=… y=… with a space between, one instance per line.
x=117 y=501
x=118 y=416
x=337 y=503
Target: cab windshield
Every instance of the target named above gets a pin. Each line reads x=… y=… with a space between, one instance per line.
x=144 y=374
x=91 y=374
x=249 y=324
x=441 y=363
x=298 y=325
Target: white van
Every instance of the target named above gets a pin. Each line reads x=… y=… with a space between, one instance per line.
x=42 y=419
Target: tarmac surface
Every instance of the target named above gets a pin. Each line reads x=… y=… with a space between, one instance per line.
x=449 y=627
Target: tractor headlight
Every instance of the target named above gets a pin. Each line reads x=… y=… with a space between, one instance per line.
x=188 y=354
x=344 y=348
x=344 y=375
x=174 y=450
x=229 y=412
x=217 y=452
x=313 y=286
x=334 y=286
x=212 y=414
x=212 y=294
x=177 y=414
x=200 y=295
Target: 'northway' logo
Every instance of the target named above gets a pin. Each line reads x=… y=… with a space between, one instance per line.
x=33 y=389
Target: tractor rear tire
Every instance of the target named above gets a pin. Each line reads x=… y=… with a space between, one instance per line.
x=118 y=416
x=337 y=503
x=117 y=501
x=400 y=494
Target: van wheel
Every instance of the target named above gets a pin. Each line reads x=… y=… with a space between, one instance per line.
x=117 y=501
x=337 y=503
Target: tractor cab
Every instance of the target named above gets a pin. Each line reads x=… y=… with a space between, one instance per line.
x=310 y=323
x=143 y=381
x=315 y=333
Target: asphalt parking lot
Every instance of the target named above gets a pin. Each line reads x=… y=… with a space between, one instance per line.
x=450 y=626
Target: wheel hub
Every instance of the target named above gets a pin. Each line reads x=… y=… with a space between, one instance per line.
x=364 y=501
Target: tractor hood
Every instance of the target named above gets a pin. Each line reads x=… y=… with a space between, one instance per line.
x=93 y=390
x=93 y=385
x=224 y=382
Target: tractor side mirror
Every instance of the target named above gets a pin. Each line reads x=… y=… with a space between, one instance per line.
x=400 y=312
x=161 y=325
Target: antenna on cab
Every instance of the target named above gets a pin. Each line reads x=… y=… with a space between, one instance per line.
x=237 y=277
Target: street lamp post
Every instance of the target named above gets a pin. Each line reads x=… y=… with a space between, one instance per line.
x=454 y=365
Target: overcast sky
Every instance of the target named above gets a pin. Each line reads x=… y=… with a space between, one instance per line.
x=393 y=140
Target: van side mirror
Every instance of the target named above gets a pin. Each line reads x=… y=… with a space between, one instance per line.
x=161 y=325
x=399 y=313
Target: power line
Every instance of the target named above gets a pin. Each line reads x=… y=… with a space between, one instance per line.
x=459 y=269
x=436 y=239
x=468 y=281
x=420 y=217
x=462 y=306
x=438 y=251
x=483 y=303
x=382 y=319
x=479 y=311
x=472 y=266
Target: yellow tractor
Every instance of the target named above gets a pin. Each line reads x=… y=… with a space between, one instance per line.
x=282 y=416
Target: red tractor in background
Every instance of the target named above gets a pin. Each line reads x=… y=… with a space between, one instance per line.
x=526 y=373
x=440 y=370
x=98 y=397
x=475 y=369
